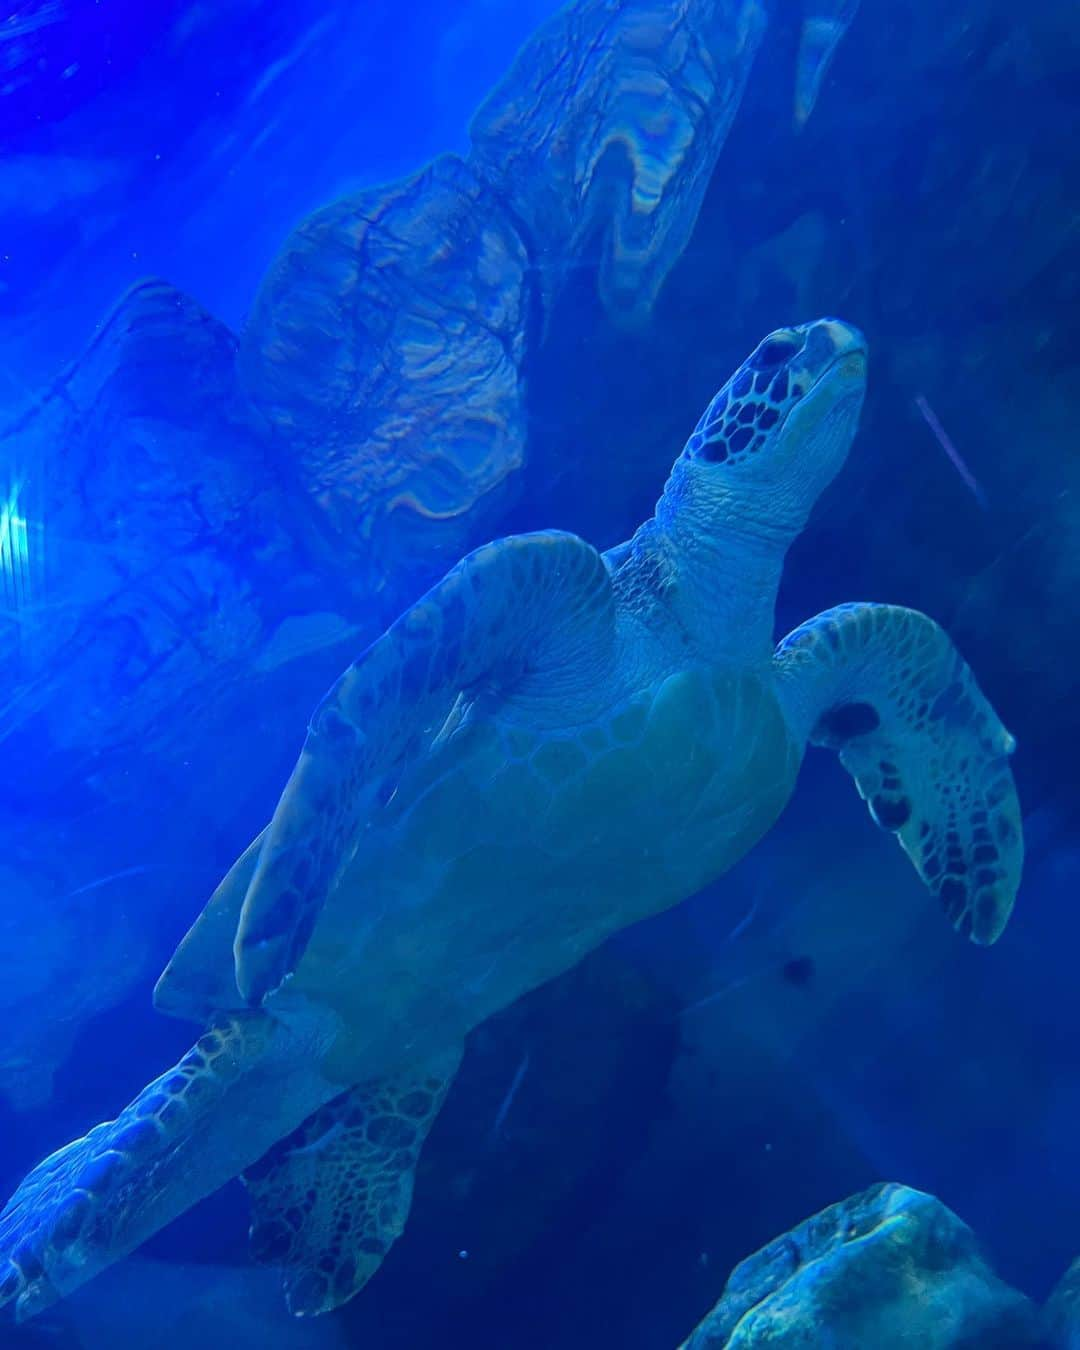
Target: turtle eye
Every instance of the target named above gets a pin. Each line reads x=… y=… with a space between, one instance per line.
x=773 y=352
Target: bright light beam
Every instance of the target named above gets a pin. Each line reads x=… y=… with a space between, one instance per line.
x=14 y=554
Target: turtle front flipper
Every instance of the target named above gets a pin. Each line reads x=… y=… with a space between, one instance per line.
x=529 y=617
x=886 y=689
x=329 y=1200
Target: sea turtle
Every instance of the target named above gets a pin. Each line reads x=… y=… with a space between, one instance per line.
x=549 y=746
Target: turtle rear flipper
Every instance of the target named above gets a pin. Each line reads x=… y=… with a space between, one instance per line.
x=249 y=1080
x=886 y=689
x=529 y=617
x=330 y=1199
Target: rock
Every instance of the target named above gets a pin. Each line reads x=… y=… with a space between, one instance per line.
x=890 y=1268
x=1063 y=1311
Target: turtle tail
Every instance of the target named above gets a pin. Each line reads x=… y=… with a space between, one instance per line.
x=248 y=1081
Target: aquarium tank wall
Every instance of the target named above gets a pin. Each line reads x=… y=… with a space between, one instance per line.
x=539 y=554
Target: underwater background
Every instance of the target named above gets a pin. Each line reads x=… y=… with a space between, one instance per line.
x=195 y=538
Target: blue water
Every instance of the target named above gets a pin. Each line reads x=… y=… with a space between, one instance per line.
x=207 y=431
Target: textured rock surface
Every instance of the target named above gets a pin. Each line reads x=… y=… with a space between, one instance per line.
x=889 y=1268
x=1063 y=1311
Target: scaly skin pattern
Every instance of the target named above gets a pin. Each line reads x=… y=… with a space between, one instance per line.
x=532 y=615
x=95 y=1200
x=330 y=1199
x=927 y=751
x=511 y=853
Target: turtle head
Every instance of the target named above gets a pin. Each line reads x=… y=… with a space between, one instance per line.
x=779 y=431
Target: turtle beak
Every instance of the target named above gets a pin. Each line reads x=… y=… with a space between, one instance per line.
x=832 y=345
